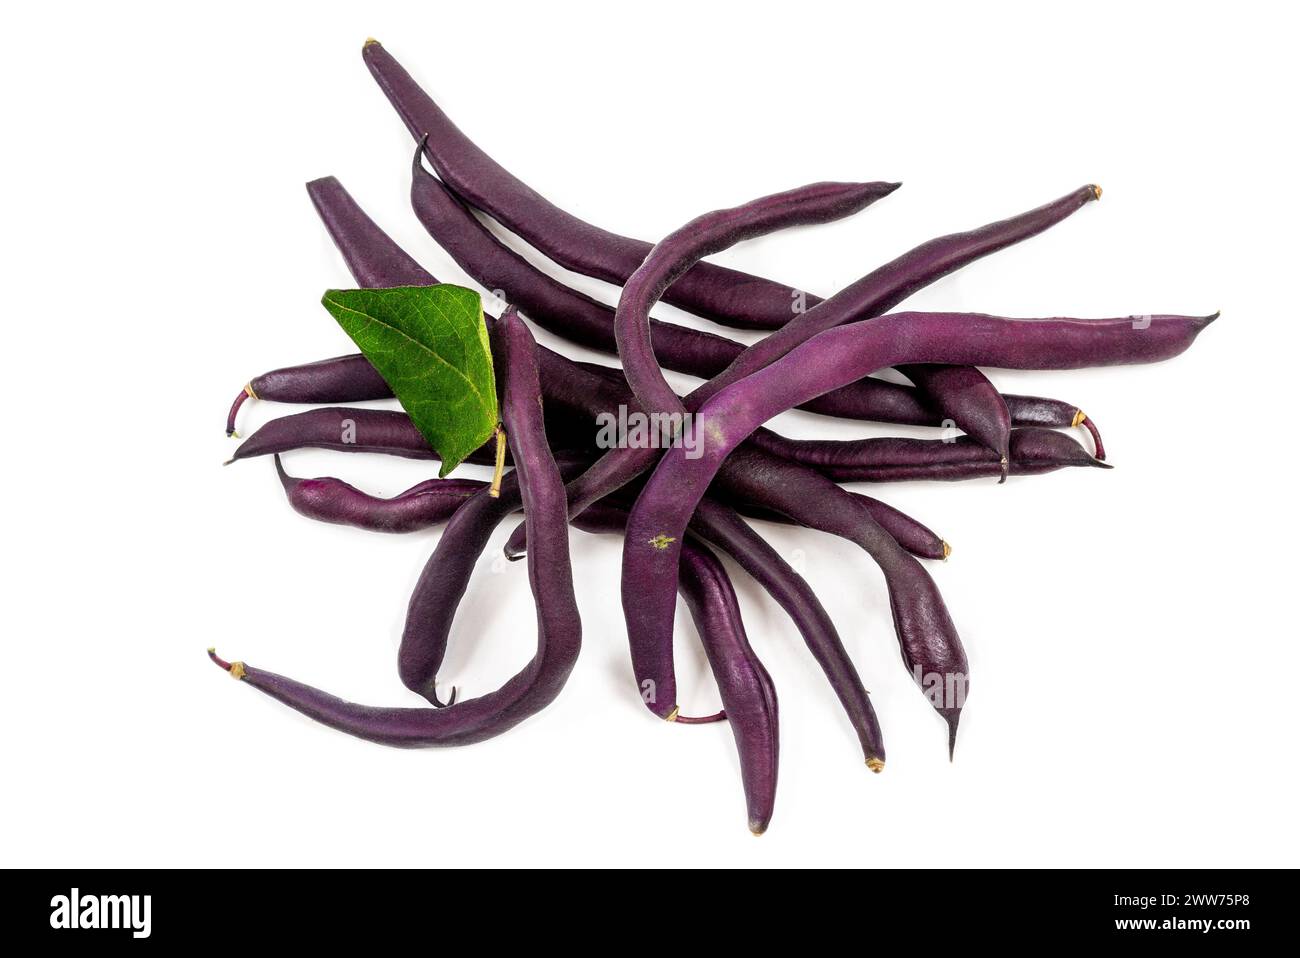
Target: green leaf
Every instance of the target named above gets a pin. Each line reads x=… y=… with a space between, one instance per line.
x=431 y=346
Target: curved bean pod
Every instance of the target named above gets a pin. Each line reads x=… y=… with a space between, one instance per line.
x=723 y=528
x=748 y=695
x=715 y=292
x=424 y=505
x=547 y=302
x=559 y=633
x=680 y=250
x=442 y=584
x=921 y=621
x=388 y=432
x=902 y=528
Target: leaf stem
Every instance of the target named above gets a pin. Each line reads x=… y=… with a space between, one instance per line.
x=495 y=489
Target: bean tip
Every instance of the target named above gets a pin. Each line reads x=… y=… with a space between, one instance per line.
x=757 y=828
x=952 y=717
x=370 y=42
x=1096 y=191
x=877 y=765
x=1005 y=463
x=947 y=550
x=672 y=716
x=437 y=702
x=230 y=460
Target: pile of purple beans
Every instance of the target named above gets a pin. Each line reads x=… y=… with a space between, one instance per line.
x=679 y=502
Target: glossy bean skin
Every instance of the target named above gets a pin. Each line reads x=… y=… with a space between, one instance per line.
x=423 y=506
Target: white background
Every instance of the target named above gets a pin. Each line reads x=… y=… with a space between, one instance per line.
x=1133 y=651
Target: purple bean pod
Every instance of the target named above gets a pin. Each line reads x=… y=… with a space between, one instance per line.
x=902 y=528
x=423 y=506
x=547 y=302
x=388 y=432
x=703 y=236
x=662 y=511
x=442 y=584
x=724 y=529
x=1032 y=451
x=559 y=632
x=748 y=695
x=714 y=292
x=976 y=406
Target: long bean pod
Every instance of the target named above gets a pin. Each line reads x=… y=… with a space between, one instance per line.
x=748 y=695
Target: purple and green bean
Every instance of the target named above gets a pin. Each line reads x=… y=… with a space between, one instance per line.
x=718 y=463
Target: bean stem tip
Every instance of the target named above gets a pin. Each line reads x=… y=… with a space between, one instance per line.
x=877 y=765
x=244 y=394
x=947 y=550
x=499 y=468
x=236 y=669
